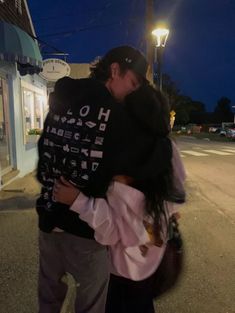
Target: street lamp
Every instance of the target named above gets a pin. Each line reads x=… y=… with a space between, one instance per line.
x=160 y=36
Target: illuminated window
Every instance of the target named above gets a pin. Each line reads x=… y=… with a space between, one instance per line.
x=28 y=105
x=38 y=106
x=34 y=112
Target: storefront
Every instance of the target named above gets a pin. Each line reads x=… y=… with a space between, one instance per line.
x=23 y=101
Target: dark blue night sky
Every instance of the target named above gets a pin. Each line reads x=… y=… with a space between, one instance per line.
x=200 y=52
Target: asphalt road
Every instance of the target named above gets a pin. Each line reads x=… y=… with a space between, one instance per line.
x=207 y=223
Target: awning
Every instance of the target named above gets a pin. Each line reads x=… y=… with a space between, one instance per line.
x=17 y=46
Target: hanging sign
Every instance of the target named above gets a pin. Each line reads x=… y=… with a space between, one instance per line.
x=54 y=69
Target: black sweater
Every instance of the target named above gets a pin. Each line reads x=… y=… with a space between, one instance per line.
x=80 y=141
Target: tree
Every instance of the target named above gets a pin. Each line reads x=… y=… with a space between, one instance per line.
x=181 y=117
x=184 y=106
x=170 y=89
x=222 y=111
x=198 y=107
x=189 y=110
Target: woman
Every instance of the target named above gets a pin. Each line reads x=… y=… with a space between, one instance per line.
x=133 y=218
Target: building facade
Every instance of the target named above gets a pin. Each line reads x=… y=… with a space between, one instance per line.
x=23 y=93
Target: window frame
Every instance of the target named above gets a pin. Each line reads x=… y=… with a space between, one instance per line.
x=27 y=138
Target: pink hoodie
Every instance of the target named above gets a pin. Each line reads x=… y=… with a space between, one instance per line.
x=118 y=223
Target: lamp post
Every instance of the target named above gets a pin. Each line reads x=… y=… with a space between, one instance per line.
x=160 y=36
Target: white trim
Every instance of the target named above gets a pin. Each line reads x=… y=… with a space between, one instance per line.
x=7 y=120
x=195 y=153
x=29 y=16
x=217 y=152
x=229 y=150
x=31 y=87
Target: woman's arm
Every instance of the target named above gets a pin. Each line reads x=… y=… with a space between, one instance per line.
x=112 y=219
x=95 y=211
x=178 y=194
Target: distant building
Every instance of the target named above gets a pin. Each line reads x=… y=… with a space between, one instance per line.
x=23 y=95
x=79 y=70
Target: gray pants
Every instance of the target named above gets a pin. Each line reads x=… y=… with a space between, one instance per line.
x=85 y=260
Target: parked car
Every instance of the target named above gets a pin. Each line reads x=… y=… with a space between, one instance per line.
x=223 y=132
x=214 y=128
x=231 y=132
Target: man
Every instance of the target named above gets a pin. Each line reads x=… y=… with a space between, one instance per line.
x=84 y=124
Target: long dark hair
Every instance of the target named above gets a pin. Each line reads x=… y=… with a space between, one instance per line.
x=149 y=110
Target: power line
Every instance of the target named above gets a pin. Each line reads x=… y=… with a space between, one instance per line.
x=76 y=30
x=47 y=44
x=91 y=11
x=81 y=29
x=86 y=12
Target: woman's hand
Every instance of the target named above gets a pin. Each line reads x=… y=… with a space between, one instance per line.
x=65 y=192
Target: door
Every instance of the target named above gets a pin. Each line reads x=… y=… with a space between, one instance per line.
x=5 y=159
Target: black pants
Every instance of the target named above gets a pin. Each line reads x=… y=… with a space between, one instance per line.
x=128 y=296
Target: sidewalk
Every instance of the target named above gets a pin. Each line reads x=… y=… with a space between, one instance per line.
x=20 y=194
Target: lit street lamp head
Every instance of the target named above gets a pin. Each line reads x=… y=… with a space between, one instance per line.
x=161 y=35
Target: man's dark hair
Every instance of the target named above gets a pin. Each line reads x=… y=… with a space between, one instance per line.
x=127 y=57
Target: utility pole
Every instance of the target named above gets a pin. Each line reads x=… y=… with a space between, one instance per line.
x=159 y=67
x=149 y=41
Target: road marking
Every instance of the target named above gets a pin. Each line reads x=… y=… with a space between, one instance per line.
x=229 y=150
x=194 y=153
x=217 y=152
x=8 y=211
x=227 y=147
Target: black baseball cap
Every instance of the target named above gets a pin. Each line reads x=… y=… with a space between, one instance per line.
x=128 y=57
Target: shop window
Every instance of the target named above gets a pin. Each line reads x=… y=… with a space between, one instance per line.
x=38 y=111
x=28 y=109
x=34 y=113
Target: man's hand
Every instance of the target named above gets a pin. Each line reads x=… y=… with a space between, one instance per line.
x=65 y=192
